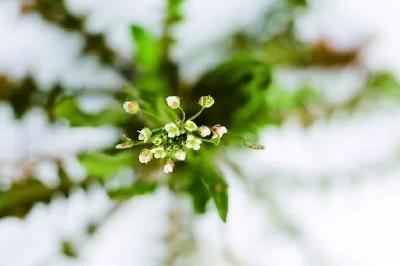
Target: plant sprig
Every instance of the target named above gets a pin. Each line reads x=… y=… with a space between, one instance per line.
x=172 y=141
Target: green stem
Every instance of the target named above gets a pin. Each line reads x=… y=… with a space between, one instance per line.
x=197 y=114
x=138 y=143
x=183 y=114
x=206 y=140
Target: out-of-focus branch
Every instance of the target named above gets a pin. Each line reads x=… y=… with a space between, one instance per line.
x=172 y=17
x=307 y=115
x=322 y=111
x=20 y=198
x=55 y=12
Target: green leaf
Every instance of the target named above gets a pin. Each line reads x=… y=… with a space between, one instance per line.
x=186 y=179
x=140 y=187
x=281 y=102
x=24 y=194
x=151 y=82
x=297 y=3
x=200 y=195
x=239 y=86
x=148 y=51
x=174 y=12
x=219 y=192
x=384 y=83
x=68 y=108
x=20 y=198
x=102 y=165
x=213 y=180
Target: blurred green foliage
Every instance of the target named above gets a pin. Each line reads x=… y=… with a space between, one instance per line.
x=68 y=249
x=247 y=99
x=241 y=79
x=103 y=166
x=68 y=108
x=148 y=50
x=18 y=199
x=139 y=187
x=384 y=83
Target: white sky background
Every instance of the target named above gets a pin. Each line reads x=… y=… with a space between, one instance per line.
x=354 y=222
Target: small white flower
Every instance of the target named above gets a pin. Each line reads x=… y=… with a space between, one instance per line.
x=190 y=126
x=169 y=166
x=193 y=143
x=144 y=134
x=159 y=152
x=204 y=131
x=219 y=130
x=173 y=101
x=206 y=101
x=172 y=130
x=180 y=155
x=131 y=107
x=145 y=156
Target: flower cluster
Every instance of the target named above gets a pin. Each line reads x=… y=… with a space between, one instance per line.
x=172 y=141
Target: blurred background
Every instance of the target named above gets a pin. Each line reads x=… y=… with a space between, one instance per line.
x=315 y=82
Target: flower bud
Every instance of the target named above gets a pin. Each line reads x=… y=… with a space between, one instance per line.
x=219 y=130
x=173 y=101
x=145 y=156
x=180 y=155
x=131 y=107
x=206 y=101
x=159 y=152
x=144 y=134
x=172 y=130
x=169 y=166
x=190 y=126
x=126 y=143
x=215 y=139
x=204 y=131
x=157 y=140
